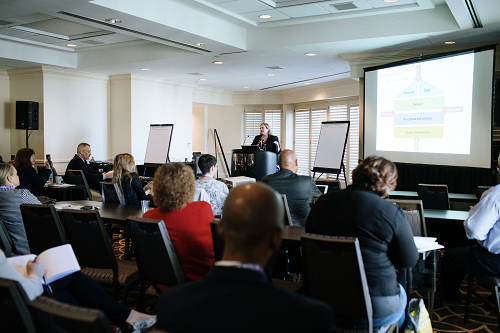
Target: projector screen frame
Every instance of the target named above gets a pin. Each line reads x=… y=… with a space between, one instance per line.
x=372 y=147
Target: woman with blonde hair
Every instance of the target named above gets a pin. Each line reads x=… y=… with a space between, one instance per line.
x=267 y=141
x=10 y=213
x=187 y=222
x=128 y=180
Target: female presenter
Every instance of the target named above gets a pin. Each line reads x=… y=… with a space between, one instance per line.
x=267 y=141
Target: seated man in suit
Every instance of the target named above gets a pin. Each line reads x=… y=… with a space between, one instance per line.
x=79 y=162
x=299 y=190
x=236 y=295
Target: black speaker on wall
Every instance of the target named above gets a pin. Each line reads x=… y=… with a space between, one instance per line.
x=26 y=115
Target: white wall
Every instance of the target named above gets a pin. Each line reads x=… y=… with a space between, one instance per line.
x=6 y=116
x=26 y=84
x=76 y=109
x=200 y=128
x=120 y=115
x=228 y=120
x=156 y=101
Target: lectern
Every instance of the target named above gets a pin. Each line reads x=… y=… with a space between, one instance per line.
x=253 y=163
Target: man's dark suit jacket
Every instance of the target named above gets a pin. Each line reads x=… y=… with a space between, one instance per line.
x=77 y=163
x=230 y=299
x=299 y=192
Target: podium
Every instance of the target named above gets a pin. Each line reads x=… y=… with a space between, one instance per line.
x=253 y=163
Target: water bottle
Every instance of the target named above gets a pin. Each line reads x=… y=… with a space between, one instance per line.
x=51 y=178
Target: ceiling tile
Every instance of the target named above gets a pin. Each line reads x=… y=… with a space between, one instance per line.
x=303 y=10
x=62 y=27
x=276 y=16
x=243 y=6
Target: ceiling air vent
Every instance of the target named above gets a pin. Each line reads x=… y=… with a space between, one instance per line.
x=275 y=67
x=196 y=73
x=93 y=42
x=3 y=22
x=344 y=6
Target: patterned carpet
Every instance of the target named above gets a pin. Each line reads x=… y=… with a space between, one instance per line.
x=448 y=318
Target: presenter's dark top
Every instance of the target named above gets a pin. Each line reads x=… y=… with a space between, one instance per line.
x=384 y=233
x=299 y=191
x=77 y=163
x=268 y=145
x=31 y=181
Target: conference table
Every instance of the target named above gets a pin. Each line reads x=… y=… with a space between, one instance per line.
x=64 y=191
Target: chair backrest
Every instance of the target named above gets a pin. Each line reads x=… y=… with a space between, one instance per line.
x=86 y=233
x=217 y=240
x=53 y=316
x=414 y=212
x=481 y=190
x=287 y=218
x=201 y=195
x=78 y=178
x=434 y=196
x=156 y=257
x=14 y=306
x=111 y=193
x=335 y=274
x=5 y=240
x=43 y=227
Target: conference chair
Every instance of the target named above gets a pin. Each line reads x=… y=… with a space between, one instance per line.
x=287 y=218
x=422 y=277
x=43 y=227
x=334 y=273
x=86 y=233
x=156 y=257
x=201 y=195
x=14 y=306
x=489 y=282
x=217 y=241
x=434 y=196
x=481 y=190
x=53 y=316
x=5 y=240
x=77 y=177
x=111 y=193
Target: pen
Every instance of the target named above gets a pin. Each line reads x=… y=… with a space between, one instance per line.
x=34 y=260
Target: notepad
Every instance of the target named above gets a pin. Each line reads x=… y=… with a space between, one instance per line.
x=60 y=261
x=424 y=244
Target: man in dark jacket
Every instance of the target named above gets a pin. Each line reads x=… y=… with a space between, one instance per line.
x=235 y=295
x=79 y=162
x=299 y=190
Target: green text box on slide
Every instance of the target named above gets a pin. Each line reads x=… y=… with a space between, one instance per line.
x=423 y=132
x=422 y=103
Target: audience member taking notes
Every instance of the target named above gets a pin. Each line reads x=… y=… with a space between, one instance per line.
x=128 y=180
x=236 y=295
x=215 y=189
x=299 y=190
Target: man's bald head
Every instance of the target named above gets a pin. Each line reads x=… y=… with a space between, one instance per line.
x=252 y=213
x=288 y=160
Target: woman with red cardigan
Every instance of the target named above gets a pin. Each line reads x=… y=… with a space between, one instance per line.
x=187 y=222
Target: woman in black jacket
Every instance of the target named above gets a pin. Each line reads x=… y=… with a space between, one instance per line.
x=30 y=179
x=267 y=141
x=129 y=182
x=384 y=234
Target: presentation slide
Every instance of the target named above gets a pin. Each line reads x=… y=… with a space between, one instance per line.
x=436 y=110
x=426 y=107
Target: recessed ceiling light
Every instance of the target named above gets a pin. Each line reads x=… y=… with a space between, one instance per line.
x=310 y=54
x=203 y=79
x=270 y=74
x=306 y=83
x=265 y=16
x=112 y=20
x=246 y=87
x=144 y=69
x=390 y=0
x=71 y=45
x=449 y=42
x=218 y=62
x=200 y=44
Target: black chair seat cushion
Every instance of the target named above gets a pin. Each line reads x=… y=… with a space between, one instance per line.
x=127 y=273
